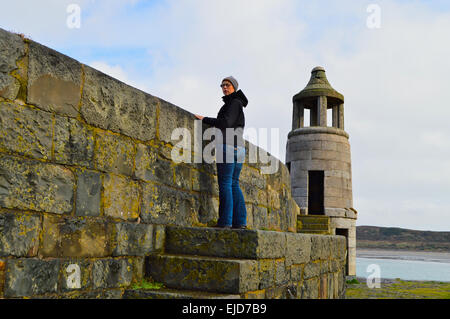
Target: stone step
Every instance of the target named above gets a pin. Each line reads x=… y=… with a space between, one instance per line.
x=314 y=232
x=227 y=243
x=202 y=273
x=313 y=219
x=173 y=294
x=313 y=226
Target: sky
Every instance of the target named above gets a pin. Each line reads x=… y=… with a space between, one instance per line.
x=390 y=60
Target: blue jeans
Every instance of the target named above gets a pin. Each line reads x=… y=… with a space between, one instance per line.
x=232 y=210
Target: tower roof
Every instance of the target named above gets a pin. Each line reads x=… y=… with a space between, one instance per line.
x=318 y=85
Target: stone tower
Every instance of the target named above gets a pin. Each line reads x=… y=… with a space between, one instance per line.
x=318 y=158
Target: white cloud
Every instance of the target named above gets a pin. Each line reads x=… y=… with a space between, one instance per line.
x=116 y=71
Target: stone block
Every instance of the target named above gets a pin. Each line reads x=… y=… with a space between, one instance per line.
x=275 y=219
x=305 y=145
x=75 y=274
x=335 y=212
x=343 y=146
x=334 y=266
x=320 y=247
x=234 y=243
x=323 y=287
x=310 y=289
x=325 y=155
x=31 y=276
x=204 y=183
x=282 y=275
x=138 y=268
x=338 y=182
x=334 y=192
x=329 y=145
x=298 y=248
x=112 y=105
x=12 y=48
x=350 y=214
x=172 y=117
x=260 y=216
x=296 y=272
x=114 y=153
x=25 y=131
x=311 y=270
x=271 y=244
x=298 y=156
x=32 y=185
x=299 y=191
x=208 y=208
x=273 y=199
x=152 y=168
x=121 y=197
x=249 y=192
x=112 y=273
x=204 y=273
x=19 y=234
x=73 y=142
x=54 y=80
x=254 y=177
x=216 y=242
x=278 y=292
x=74 y=237
x=337 y=173
x=334 y=201
x=164 y=205
x=159 y=237
x=266 y=270
x=88 y=197
x=132 y=239
x=182 y=177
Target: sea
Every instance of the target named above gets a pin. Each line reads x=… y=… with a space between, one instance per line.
x=406 y=265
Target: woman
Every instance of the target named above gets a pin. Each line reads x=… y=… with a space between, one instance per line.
x=230 y=119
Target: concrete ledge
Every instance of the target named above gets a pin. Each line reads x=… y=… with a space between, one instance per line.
x=318 y=129
x=231 y=243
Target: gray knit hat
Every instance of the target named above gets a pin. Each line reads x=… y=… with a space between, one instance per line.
x=233 y=81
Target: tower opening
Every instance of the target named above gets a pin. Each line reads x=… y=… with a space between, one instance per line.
x=344 y=232
x=316 y=193
x=306 y=117
x=329 y=117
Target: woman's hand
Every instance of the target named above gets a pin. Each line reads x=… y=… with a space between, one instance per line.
x=199 y=116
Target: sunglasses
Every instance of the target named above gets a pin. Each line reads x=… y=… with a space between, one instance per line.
x=225 y=85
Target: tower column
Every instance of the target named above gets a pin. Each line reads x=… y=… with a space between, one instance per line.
x=335 y=122
x=341 y=116
x=301 y=114
x=295 y=119
x=298 y=116
x=322 y=110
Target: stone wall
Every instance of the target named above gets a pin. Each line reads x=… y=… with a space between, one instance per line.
x=87 y=177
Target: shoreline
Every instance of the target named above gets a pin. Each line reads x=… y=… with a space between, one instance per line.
x=363 y=280
x=425 y=256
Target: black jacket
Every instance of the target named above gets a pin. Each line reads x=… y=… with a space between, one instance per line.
x=231 y=115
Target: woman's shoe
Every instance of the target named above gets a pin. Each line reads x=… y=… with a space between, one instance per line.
x=240 y=227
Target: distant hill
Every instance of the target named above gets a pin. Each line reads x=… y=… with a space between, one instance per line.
x=399 y=238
